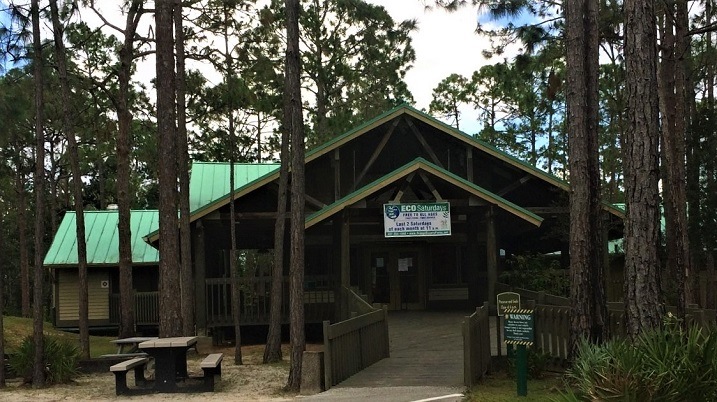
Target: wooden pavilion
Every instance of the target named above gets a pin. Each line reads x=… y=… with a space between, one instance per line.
x=404 y=209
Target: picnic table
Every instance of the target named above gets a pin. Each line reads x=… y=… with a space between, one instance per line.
x=170 y=360
x=129 y=347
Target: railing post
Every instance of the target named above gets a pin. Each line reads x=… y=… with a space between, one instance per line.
x=328 y=367
x=387 y=351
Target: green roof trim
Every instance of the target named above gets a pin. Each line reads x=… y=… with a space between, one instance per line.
x=102 y=239
x=422 y=164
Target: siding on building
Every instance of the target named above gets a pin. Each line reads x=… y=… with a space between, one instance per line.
x=68 y=297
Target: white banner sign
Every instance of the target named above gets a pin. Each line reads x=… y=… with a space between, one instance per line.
x=413 y=220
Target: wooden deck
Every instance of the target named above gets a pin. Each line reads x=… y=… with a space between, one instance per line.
x=426 y=349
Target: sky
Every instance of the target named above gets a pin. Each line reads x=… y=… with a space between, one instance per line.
x=445 y=43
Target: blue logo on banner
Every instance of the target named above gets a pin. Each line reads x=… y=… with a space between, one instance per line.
x=393 y=211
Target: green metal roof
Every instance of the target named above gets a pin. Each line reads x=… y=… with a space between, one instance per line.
x=210 y=180
x=102 y=236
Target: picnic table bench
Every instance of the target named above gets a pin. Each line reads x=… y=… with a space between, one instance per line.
x=212 y=367
x=120 y=371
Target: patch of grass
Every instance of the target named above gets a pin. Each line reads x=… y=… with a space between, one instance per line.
x=18 y=328
x=499 y=387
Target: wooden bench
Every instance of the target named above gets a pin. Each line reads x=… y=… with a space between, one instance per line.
x=212 y=366
x=120 y=371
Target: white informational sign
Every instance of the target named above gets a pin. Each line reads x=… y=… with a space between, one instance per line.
x=418 y=219
x=404 y=264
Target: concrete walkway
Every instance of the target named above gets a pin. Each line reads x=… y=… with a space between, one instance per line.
x=426 y=361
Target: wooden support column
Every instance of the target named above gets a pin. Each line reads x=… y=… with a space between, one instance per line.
x=345 y=249
x=200 y=273
x=469 y=163
x=342 y=259
x=336 y=161
x=492 y=254
x=472 y=259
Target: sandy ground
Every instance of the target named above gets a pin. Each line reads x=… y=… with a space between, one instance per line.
x=251 y=381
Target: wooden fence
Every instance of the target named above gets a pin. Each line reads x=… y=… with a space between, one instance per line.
x=256 y=301
x=552 y=319
x=354 y=344
x=146 y=308
x=476 y=346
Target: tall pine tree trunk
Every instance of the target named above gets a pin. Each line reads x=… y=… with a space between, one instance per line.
x=170 y=314
x=642 y=289
x=233 y=271
x=38 y=372
x=586 y=263
x=127 y=313
x=60 y=59
x=272 y=352
x=22 y=237
x=2 y=305
x=294 y=123
x=183 y=169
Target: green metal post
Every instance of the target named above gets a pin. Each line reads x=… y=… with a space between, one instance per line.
x=521 y=365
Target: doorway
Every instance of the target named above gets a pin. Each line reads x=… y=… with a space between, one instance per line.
x=397 y=277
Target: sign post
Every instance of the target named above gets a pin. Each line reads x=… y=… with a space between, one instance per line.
x=519 y=325
x=504 y=301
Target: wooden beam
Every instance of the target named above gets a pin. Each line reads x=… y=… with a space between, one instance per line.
x=250 y=215
x=469 y=163
x=313 y=201
x=274 y=188
x=404 y=187
x=492 y=253
x=375 y=154
x=505 y=190
x=430 y=186
x=337 y=174
x=423 y=142
x=548 y=210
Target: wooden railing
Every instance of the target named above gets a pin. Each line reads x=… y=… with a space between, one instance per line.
x=255 y=301
x=146 y=308
x=354 y=344
x=552 y=319
x=353 y=304
x=476 y=346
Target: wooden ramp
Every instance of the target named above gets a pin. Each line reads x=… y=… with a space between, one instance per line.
x=426 y=350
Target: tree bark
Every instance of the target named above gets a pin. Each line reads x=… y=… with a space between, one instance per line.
x=38 y=373
x=272 y=352
x=170 y=314
x=183 y=169
x=2 y=307
x=127 y=316
x=60 y=59
x=22 y=237
x=586 y=263
x=294 y=123
x=233 y=271
x=642 y=289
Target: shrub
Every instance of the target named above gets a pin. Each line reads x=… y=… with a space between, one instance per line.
x=536 y=272
x=668 y=364
x=60 y=360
